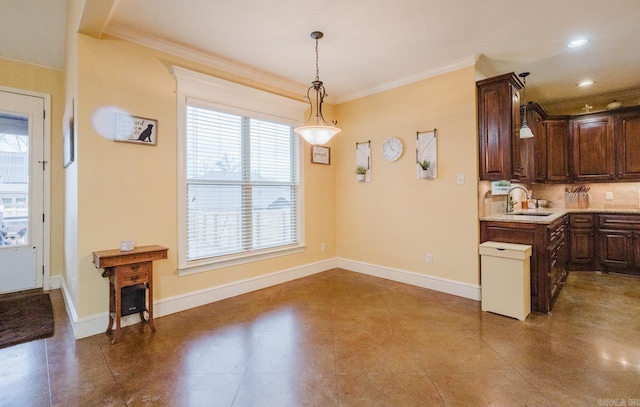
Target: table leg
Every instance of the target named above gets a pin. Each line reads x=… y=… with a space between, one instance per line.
x=118 y=305
x=111 y=306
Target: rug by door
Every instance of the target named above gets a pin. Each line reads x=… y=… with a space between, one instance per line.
x=25 y=318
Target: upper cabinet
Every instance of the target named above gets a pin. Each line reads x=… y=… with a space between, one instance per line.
x=593 y=148
x=556 y=152
x=498 y=121
x=628 y=140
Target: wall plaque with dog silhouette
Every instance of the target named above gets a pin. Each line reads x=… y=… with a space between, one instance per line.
x=138 y=130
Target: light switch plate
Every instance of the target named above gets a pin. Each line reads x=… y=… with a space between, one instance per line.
x=460 y=179
x=608 y=196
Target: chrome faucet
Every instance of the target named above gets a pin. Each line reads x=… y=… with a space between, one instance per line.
x=509 y=210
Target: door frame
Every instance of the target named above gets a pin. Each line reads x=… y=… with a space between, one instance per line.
x=45 y=256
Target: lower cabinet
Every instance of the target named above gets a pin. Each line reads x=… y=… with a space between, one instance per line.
x=548 y=258
x=582 y=241
x=618 y=243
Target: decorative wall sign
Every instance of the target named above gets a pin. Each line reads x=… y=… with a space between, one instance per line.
x=138 y=130
x=427 y=154
x=320 y=155
x=363 y=159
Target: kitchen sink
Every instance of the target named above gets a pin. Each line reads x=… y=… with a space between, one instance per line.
x=531 y=213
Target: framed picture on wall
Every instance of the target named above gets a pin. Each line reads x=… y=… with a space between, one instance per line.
x=68 y=137
x=320 y=155
x=134 y=129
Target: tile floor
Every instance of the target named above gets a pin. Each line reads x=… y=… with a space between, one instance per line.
x=344 y=339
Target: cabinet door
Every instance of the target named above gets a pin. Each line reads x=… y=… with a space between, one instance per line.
x=557 y=150
x=524 y=154
x=540 y=150
x=582 y=248
x=636 y=252
x=498 y=113
x=593 y=149
x=615 y=249
x=628 y=141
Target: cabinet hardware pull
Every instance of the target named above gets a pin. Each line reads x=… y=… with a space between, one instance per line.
x=135 y=268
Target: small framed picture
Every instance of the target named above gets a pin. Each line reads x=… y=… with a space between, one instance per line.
x=320 y=155
x=138 y=130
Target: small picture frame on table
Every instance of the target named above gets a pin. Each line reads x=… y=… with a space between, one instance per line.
x=321 y=155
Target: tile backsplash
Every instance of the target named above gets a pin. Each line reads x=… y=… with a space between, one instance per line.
x=626 y=195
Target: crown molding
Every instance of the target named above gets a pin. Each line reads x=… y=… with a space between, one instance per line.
x=268 y=79
x=461 y=63
x=214 y=61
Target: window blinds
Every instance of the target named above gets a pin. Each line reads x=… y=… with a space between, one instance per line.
x=242 y=184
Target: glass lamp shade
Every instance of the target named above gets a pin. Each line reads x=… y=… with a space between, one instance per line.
x=317 y=134
x=525 y=131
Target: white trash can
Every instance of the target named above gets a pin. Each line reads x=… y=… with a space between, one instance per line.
x=505 y=279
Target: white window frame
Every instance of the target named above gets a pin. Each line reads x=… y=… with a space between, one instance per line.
x=242 y=100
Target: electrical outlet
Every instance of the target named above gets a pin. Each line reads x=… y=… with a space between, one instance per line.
x=323 y=247
x=429 y=258
x=460 y=179
x=608 y=196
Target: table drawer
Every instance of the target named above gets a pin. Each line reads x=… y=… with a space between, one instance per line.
x=133 y=273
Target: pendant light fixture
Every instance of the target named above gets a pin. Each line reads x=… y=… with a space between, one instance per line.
x=525 y=131
x=319 y=132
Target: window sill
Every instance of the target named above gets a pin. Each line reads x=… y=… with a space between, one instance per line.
x=200 y=266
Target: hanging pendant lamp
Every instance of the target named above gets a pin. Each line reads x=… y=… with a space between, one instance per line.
x=525 y=131
x=319 y=132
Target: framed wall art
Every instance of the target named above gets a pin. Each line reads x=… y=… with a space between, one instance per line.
x=321 y=155
x=427 y=154
x=138 y=130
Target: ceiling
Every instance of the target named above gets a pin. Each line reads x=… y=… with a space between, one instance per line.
x=371 y=45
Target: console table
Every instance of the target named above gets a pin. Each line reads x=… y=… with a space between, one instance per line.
x=126 y=269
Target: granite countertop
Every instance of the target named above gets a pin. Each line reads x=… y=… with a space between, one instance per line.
x=534 y=215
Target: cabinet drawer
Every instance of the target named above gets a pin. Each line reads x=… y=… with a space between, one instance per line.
x=133 y=273
x=619 y=221
x=581 y=221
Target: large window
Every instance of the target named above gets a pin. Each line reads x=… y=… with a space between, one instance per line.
x=242 y=184
x=240 y=188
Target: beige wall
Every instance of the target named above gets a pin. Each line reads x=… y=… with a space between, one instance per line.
x=129 y=191
x=396 y=219
x=49 y=81
x=119 y=190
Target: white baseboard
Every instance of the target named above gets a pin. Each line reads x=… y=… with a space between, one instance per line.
x=444 y=285
x=96 y=324
x=194 y=299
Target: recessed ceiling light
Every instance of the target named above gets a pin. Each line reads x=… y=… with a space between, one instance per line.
x=578 y=43
x=585 y=84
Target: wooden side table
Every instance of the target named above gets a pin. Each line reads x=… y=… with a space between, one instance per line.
x=126 y=269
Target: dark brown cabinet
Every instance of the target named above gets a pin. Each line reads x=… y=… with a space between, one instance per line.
x=557 y=253
x=557 y=150
x=628 y=151
x=582 y=241
x=593 y=148
x=548 y=259
x=525 y=156
x=618 y=241
x=498 y=122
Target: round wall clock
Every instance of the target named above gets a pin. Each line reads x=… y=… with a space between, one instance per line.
x=392 y=149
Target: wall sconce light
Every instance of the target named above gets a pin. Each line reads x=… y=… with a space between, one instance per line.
x=320 y=132
x=525 y=131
